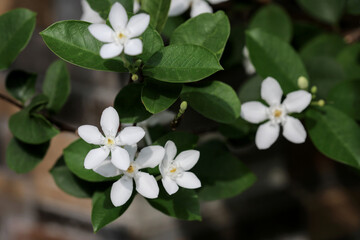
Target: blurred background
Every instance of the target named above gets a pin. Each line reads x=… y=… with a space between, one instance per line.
x=299 y=194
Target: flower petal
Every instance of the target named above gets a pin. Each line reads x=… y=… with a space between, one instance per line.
x=150 y=157
x=130 y=135
x=266 y=135
x=132 y=149
x=188 y=180
x=118 y=17
x=95 y=157
x=136 y=6
x=254 y=112
x=121 y=191
x=89 y=15
x=187 y=159
x=146 y=185
x=91 y=134
x=102 y=32
x=107 y=169
x=111 y=50
x=178 y=7
x=138 y=24
x=133 y=47
x=294 y=131
x=216 y=1
x=110 y=122
x=200 y=7
x=271 y=91
x=170 y=153
x=170 y=186
x=297 y=101
x=120 y=158
x=161 y=118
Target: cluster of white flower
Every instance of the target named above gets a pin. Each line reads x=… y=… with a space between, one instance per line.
x=124 y=160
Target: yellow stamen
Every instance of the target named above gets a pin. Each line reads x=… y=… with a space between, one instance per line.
x=110 y=141
x=130 y=169
x=121 y=35
x=277 y=113
x=173 y=170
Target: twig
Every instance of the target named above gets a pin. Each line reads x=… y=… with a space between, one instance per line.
x=9 y=100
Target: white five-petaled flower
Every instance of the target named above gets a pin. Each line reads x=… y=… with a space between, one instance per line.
x=175 y=173
x=276 y=113
x=112 y=142
x=198 y=7
x=123 y=34
x=146 y=184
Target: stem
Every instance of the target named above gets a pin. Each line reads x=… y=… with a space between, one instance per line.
x=9 y=100
x=147 y=136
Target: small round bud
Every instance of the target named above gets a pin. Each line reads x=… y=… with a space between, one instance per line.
x=314 y=89
x=134 y=77
x=303 y=83
x=138 y=63
x=321 y=103
x=183 y=106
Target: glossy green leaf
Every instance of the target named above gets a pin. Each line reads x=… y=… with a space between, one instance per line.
x=21 y=85
x=171 y=24
x=221 y=174
x=71 y=41
x=329 y=11
x=183 y=140
x=181 y=64
x=324 y=45
x=37 y=103
x=158 y=11
x=251 y=89
x=22 y=157
x=274 y=20
x=215 y=100
x=152 y=42
x=69 y=182
x=103 y=211
x=184 y=204
x=207 y=30
x=324 y=73
x=273 y=57
x=16 y=29
x=158 y=96
x=346 y=97
x=74 y=156
x=129 y=106
x=349 y=58
x=56 y=85
x=103 y=6
x=335 y=134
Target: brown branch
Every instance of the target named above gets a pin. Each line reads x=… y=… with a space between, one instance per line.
x=352 y=36
x=62 y=126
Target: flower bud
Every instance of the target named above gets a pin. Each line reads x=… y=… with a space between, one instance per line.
x=134 y=77
x=321 y=102
x=314 y=90
x=183 y=106
x=302 y=82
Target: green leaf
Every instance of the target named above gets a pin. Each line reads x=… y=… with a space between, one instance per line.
x=56 y=85
x=158 y=96
x=272 y=57
x=103 y=6
x=31 y=127
x=158 y=11
x=335 y=134
x=353 y=7
x=221 y=174
x=22 y=157
x=324 y=45
x=21 y=85
x=16 y=29
x=207 y=30
x=215 y=100
x=237 y=130
x=181 y=64
x=103 y=211
x=251 y=89
x=349 y=58
x=184 y=204
x=324 y=73
x=74 y=156
x=345 y=96
x=71 y=41
x=129 y=106
x=329 y=11
x=152 y=42
x=171 y=24
x=70 y=183
x=183 y=140
x=274 y=20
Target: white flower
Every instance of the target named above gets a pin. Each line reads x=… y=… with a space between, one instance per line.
x=249 y=67
x=146 y=185
x=178 y=7
x=175 y=172
x=112 y=142
x=122 y=35
x=136 y=6
x=277 y=113
x=89 y=15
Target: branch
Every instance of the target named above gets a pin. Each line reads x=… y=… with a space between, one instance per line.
x=62 y=126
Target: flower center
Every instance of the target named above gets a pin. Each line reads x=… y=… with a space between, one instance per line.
x=131 y=169
x=121 y=35
x=109 y=141
x=173 y=170
x=277 y=113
